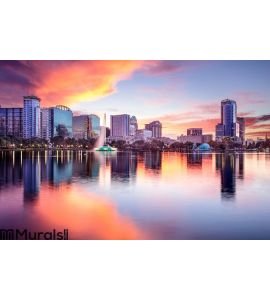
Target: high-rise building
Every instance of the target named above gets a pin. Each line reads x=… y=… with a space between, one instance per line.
x=219 y=131
x=61 y=121
x=194 y=131
x=229 y=126
x=45 y=121
x=241 y=122
x=120 y=125
x=156 y=129
x=94 y=125
x=81 y=127
x=133 y=126
x=143 y=134
x=228 y=117
x=31 y=117
x=11 y=122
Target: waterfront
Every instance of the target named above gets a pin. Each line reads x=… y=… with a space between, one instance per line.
x=128 y=195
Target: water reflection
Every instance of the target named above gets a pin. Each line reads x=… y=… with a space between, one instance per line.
x=231 y=166
x=157 y=195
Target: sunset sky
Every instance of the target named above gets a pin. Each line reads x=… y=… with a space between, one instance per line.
x=180 y=94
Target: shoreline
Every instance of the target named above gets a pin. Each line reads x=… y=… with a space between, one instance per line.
x=135 y=150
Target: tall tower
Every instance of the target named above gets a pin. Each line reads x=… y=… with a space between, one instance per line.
x=31 y=117
x=229 y=117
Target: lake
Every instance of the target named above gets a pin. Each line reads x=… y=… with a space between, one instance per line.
x=127 y=195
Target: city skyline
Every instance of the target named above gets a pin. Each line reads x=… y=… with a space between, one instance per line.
x=180 y=94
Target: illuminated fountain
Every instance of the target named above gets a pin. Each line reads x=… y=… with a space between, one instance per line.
x=101 y=141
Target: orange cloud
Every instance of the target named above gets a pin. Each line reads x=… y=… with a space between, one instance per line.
x=78 y=81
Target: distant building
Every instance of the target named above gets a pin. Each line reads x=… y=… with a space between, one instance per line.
x=133 y=126
x=31 y=117
x=219 y=131
x=156 y=129
x=195 y=136
x=11 y=122
x=143 y=134
x=61 y=121
x=207 y=138
x=194 y=131
x=120 y=125
x=81 y=127
x=230 y=125
x=197 y=139
x=228 y=117
x=45 y=120
x=242 y=129
x=94 y=125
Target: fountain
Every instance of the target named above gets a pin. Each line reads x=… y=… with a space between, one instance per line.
x=101 y=141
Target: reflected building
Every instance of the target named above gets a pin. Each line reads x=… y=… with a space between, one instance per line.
x=59 y=168
x=231 y=166
x=194 y=160
x=123 y=166
x=10 y=168
x=85 y=166
x=153 y=160
x=31 y=176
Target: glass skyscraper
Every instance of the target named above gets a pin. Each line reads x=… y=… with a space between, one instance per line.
x=229 y=126
x=228 y=117
x=31 y=117
x=95 y=125
x=11 y=122
x=81 y=127
x=61 y=121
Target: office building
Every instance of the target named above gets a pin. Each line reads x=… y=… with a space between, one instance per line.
x=11 y=122
x=195 y=139
x=81 y=127
x=194 y=131
x=94 y=125
x=228 y=117
x=143 y=134
x=230 y=125
x=241 y=122
x=61 y=121
x=133 y=126
x=120 y=125
x=156 y=129
x=219 y=132
x=31 y=117
x=45 y=121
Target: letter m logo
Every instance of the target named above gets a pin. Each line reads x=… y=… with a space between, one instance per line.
x=6 y=234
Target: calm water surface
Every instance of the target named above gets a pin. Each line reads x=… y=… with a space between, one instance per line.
x=137 y=196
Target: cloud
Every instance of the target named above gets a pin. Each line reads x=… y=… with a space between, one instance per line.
x=62 y=82
x=158 y=67
x=249 y=97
